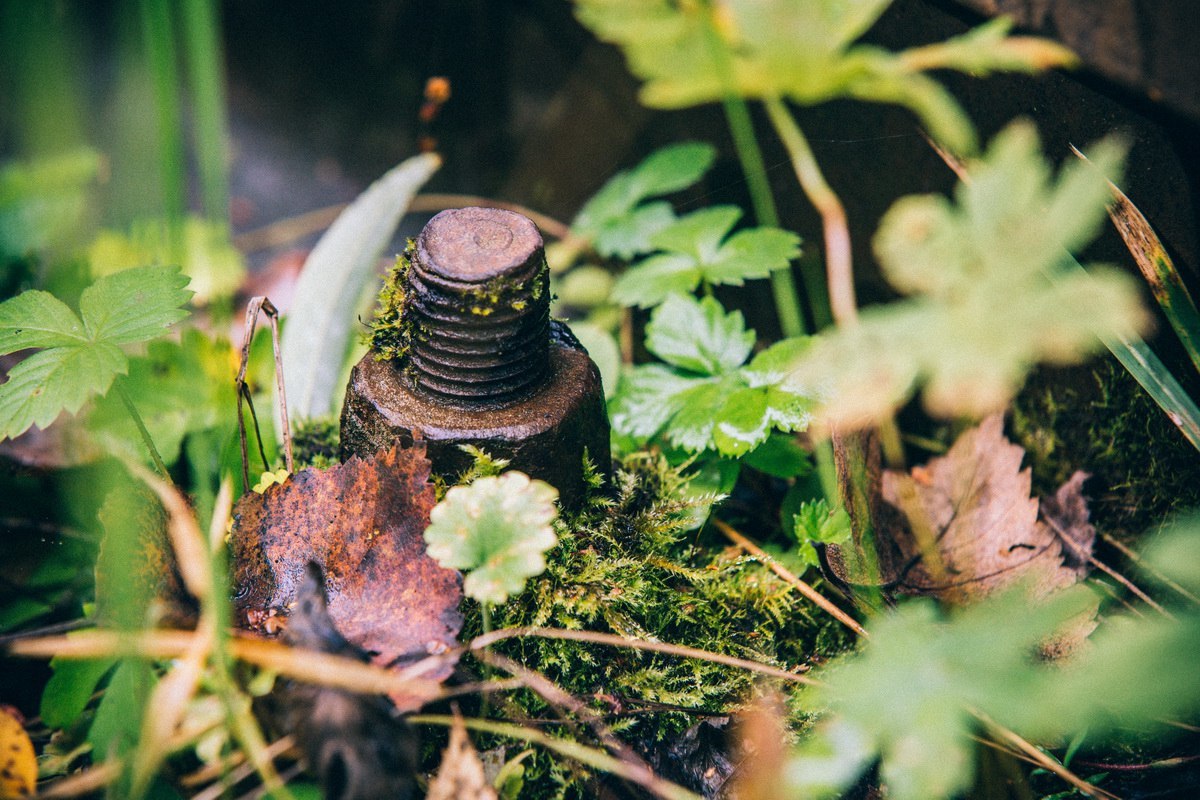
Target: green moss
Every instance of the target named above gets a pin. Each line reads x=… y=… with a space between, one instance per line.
x=391 y=332
x=628 y=564
x=315 y=442
x=1098 y=419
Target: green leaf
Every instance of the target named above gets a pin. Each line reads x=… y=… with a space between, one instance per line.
x=81 y=358
x=614 y=220
x=38 y=319
x=771 y=366
x=52 y=381
x=696 y=250
x=695 y=53
x=604 y=351
x=316 y=340
x=817 y=522
x=647 y=397
x=134 y=305
x=698 y=336
x=742 y=424
x=691 y=427
x=989 y=298
x=115 y=731
x=497 y=530
x=780 y=456
x=70 y=688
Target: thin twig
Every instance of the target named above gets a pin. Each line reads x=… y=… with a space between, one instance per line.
x=264 y=304
x=286 y=231
x=560 y=699
x=84 y=782
x=1148 y=567
x=231 y=771
x=804 y=589
x=595 y=637
x=1044 y=761
x=589 y=756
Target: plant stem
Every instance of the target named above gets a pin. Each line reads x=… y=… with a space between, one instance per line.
x=141 y=426
x=158 y=33
x=203 y=59
x=590 y=756
x=839 y=265
x=783 y=285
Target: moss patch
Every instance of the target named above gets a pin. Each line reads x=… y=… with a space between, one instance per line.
x=628 y=564
x=391 y=333
x=1098 y=419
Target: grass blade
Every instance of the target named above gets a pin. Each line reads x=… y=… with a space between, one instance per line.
x=319 y=326
x=1157 y=268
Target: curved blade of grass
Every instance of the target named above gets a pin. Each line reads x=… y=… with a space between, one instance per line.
x=1157 y=268
x=320 y=325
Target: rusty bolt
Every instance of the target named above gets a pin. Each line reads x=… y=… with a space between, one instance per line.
x=485 y=365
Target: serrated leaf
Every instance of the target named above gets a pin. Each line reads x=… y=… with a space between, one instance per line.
x=52 y=381
x=614 y=220
x=691 y=426
x=772 y=365
x=135 y=304
x=81 y=358
x=497 y=530
x=780 y=456
x=695 y=53
x=320 y=322
x=741 y=425
x=698 y=336
x=38 y=319
x=989 y=298
x=647 y=397
x=696 y=250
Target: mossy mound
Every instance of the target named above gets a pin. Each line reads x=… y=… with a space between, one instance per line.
x=630 y=564
x=1098 y=419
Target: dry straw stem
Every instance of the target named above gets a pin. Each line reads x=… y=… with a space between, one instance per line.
x=588 y=756
x=309 y=666
x=1149 y=568
x=292 y=229
x=488 y=639
x=804 y=589
x=1041 y=759
x=231 y=777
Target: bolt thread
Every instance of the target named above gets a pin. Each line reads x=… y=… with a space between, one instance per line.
x=478 y=302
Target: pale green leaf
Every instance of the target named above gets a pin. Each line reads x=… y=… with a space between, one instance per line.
x=38 y=319
x=698 y=234
x=754 y=253
x=135 y=304
x=691 y=427
x=613 y=218
x=655 y=279
x=647 y=397
x=771 y=366
x=43 y=202
x=741 y=424
x=497 y=530
x=698 y=336
x=604 y=352
x=52 y=381
x=316 y=340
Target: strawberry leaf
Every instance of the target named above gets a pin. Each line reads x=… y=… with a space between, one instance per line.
x=698 y=336
x=80 y=357
x=696 y=249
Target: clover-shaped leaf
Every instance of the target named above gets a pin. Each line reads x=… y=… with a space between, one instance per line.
x=616 y=220
x=695 y=249
x=497 y=530
x=80 y=355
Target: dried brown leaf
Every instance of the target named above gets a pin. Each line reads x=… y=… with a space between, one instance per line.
x=964 y=526
x=361 y=523
x=461 y=775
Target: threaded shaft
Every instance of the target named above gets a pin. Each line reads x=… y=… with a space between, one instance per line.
x=478 y=300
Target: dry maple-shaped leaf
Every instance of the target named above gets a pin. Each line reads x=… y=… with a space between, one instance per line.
x=964 y=526
x=461 y=775
x=974 y=503
x=361 y=523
